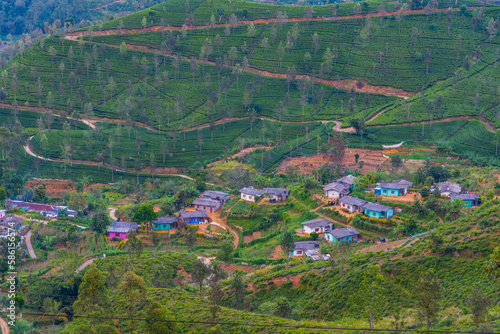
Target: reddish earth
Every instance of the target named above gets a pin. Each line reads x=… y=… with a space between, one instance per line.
x=277 y=253
x=381 y=247
x=233 y=267
x=253 y=236
x=280 y=280
x=372 y=159
x=74 y=35
x=106 y=5
x=55 y=187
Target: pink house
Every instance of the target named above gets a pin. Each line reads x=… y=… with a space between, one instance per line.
x=121 y=229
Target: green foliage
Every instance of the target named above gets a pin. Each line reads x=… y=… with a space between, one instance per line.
x=146 y=213
x=99 y=222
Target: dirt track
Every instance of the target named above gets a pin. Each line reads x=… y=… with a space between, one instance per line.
x=76 y=34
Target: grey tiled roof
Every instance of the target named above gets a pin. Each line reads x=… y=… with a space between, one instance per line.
x=276 y=191
x=343 y=232
x=471 y=196
x=306 y=245
x=212 y=194
x=404 y=182
x=339 y=187
x=348 y=179
x=450 y=187
x=165 y=220
x=393 y=186
x=251 y=191
x=353 y=201
x=206 y=202
x=317 y=222
x=11 y=219
x=376 y=207
x=122 y=227
x=193 y=214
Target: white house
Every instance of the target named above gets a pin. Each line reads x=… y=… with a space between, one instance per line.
x=352 y=204
x=250 y=194
x=448 y=188
x=336 y=190
x=319 y=225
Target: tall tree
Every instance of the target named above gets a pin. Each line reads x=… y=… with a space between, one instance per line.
x=133 y=294
x=287 y=243
x=92 y=299
x=371 y=295
x=427 y=294
x=341 y=253
x=200 y=274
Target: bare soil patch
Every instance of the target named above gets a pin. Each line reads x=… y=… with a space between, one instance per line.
x=253 y=236
x=372 y=159
x=277 y=253
x=386 y=245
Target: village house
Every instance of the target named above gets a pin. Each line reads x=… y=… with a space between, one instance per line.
x=336 y=190
x=301 y=247
x=250 y=194
x=215 y=195
x=11 y=222
x=404 y=182
x=352 y=204
x=276 y=194
x=2 y=213
x=319 y=225
x=348 y=234
x=44 y=209
x=376 y=210
x=470 y=200
x=208 y=205
x=391 y=189
x=348 y=180
x=121 y=229
x=194 y=217
x=164 y=223
x=447 y=188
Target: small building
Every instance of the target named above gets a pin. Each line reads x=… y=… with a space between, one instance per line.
x=208 y=205
x=301 y=247
x=250 y=194
x=215 y=195
x=194 y=217
x=352 y=204
x=470 y=200
x=376 y=210
x=348 y=180
x=319 y=225
x=43 y=209
x=448 y=188
x=11 y=222
x=391 y=189
x=336 y=190
x=404 y=182
x=276 y=194
x=164 y=223
x=3 y=213
x=348 y=234
x=121 y=229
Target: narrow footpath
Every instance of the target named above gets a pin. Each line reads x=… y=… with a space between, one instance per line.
x=29 y=246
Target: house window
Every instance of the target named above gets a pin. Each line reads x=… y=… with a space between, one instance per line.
x=392 y=191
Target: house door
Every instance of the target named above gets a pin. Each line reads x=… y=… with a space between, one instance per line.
x=210 y=210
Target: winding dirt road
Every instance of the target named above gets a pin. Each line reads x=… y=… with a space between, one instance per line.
x=29 y=246
x=4 y=326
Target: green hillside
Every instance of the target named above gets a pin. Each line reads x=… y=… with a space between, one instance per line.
x=441 y=62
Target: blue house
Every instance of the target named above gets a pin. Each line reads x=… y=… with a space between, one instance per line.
x=469 y=200
x=342 y=234
x=11 y=222
x=376 y=210
x=391 y=189
x=164 y=223
x=194 y=217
